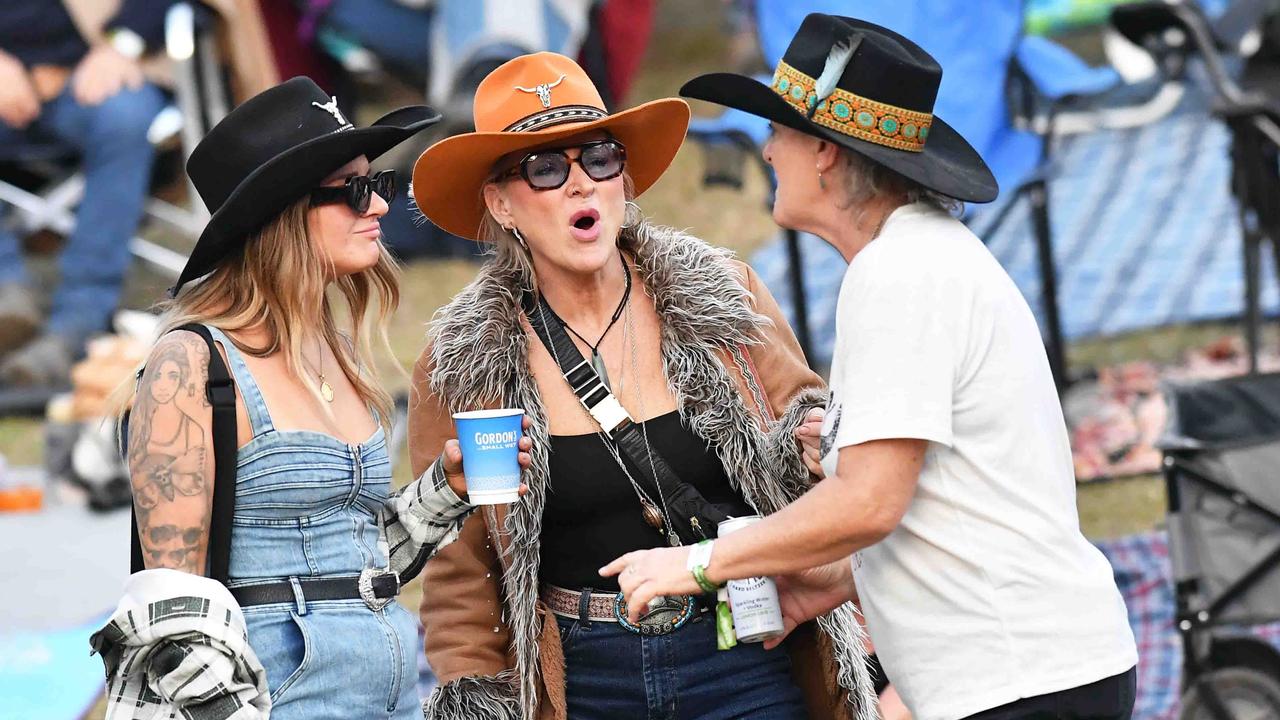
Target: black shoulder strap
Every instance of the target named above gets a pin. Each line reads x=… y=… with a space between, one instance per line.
x=693 y=516
x=221 y=392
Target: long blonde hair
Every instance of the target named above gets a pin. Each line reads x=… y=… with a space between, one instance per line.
x=279 y=283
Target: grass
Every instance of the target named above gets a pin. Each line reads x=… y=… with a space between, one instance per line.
x=21 y=441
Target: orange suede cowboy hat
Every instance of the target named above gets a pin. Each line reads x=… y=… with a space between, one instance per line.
x=531 y=101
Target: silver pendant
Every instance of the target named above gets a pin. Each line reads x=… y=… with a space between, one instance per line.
x=673 y=538
x=597 y=362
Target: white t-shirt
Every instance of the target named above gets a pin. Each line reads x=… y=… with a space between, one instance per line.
x=986 y=592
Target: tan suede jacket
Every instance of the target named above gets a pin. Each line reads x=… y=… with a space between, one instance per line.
x=494 y=646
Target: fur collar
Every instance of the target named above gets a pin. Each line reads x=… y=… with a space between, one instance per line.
x=695 y=291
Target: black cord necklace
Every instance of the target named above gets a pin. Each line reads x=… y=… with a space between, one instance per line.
x=596 y=361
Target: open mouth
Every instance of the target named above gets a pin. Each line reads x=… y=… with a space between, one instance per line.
x=584 y=219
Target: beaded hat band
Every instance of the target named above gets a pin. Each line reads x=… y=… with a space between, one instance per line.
x=854 y=115
x=867 y=89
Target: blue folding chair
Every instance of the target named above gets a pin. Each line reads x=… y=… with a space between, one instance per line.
x=1250 y=116
x=1010 y=120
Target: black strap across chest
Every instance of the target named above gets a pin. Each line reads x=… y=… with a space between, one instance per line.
x=693 y=517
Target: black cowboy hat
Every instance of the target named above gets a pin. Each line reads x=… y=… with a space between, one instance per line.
x=270 y=152
x=866 y=88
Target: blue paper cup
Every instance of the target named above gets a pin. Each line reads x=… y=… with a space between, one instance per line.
x=490 y=441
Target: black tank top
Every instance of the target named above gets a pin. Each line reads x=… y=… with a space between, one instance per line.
x=592 y=513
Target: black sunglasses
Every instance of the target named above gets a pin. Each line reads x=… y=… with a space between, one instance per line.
x=357 y=192
x=549 y=169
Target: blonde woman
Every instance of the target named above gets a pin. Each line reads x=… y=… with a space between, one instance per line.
x=295 y=217
x=695 y=352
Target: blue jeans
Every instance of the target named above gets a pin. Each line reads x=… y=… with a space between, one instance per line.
x=612 y=674
x=116 y=157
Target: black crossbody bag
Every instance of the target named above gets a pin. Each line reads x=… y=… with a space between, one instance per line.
x=694 y=517
x=221 y=392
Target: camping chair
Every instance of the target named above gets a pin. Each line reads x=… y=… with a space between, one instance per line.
x=1221 y=451
x=1251 y=117
x=43 y=187
x=52 y=186
x=1013 y=124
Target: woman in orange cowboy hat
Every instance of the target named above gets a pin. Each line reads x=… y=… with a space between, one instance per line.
x=665 y=390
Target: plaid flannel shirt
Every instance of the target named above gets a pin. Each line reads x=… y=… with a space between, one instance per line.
x=421 y=518
x=177 y=648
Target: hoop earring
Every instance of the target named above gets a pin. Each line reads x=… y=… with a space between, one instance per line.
x=639 y=216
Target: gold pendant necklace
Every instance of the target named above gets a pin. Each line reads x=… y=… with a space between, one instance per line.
x=326 y=390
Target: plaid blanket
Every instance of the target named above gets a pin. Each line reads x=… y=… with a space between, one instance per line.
x=1141 y=564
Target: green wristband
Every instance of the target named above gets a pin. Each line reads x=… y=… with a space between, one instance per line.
x=700 y=576
x=699 y=559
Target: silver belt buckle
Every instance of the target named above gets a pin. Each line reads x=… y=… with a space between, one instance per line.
x=365 y=584
x=665 y=614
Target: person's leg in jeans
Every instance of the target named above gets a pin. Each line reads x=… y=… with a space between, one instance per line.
x=19 y=313
x=12 y=267
x=116 y=160
x=117 y=172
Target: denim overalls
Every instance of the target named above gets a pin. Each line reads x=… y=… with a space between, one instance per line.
x=307 y=505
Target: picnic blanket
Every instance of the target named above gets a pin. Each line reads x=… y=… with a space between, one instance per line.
x=1142 y=570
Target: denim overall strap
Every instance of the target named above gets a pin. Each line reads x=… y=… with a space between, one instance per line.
x=254 y=405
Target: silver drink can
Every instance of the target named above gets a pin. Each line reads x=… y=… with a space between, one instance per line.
x=754 y=601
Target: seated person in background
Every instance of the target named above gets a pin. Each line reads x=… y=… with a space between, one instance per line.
x=71 y=73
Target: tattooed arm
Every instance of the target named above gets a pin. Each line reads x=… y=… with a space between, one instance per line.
x=171 y=460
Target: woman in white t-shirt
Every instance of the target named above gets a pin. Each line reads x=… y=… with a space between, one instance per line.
x=947 y=467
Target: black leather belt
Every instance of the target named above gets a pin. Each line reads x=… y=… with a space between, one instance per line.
x=375 y=587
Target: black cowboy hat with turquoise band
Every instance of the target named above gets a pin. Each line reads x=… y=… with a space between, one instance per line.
x=865 y=88
x=270 y=152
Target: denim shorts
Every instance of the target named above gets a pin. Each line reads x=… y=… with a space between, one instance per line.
x=612 y=673
x=337 y=659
